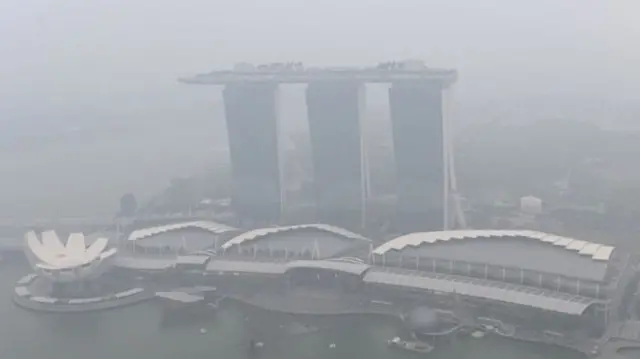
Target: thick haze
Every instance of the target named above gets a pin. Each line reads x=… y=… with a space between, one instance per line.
x=113 y=64
x=54 y=50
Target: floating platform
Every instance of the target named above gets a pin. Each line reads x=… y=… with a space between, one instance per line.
x=411 y=346
x=26 y=295
x=185 y=308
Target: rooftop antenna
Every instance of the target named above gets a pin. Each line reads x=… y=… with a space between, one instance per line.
x=118 y=239
x=184 y=244
x=364 y=158
x=452 y=196
x=316 y=249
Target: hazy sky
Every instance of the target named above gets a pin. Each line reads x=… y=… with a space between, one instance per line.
x=69 y=54
x=103 y=61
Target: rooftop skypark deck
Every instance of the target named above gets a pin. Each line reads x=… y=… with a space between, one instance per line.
x=297 y=73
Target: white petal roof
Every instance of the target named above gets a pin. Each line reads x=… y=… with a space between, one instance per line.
x=51 y=241
x=96 y=248
x=50 y=253
x=598 y=252
x=75 y=245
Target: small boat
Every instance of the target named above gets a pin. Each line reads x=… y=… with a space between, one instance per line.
x=254 y=347
x=412 y=346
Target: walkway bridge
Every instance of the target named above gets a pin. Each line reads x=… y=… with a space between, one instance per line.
x=620 y=337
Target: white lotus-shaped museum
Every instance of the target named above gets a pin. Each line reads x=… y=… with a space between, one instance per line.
x=70 y=261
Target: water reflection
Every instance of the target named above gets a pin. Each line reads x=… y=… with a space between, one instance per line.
x=136 y=332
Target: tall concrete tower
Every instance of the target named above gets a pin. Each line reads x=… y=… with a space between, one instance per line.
x=335 y=99
x=336 y=142
x=420 y=147
x=252 y=125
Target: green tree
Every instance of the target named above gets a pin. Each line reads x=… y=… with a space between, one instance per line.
x=622 y=205
x=181 y=195
x=128 y=205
